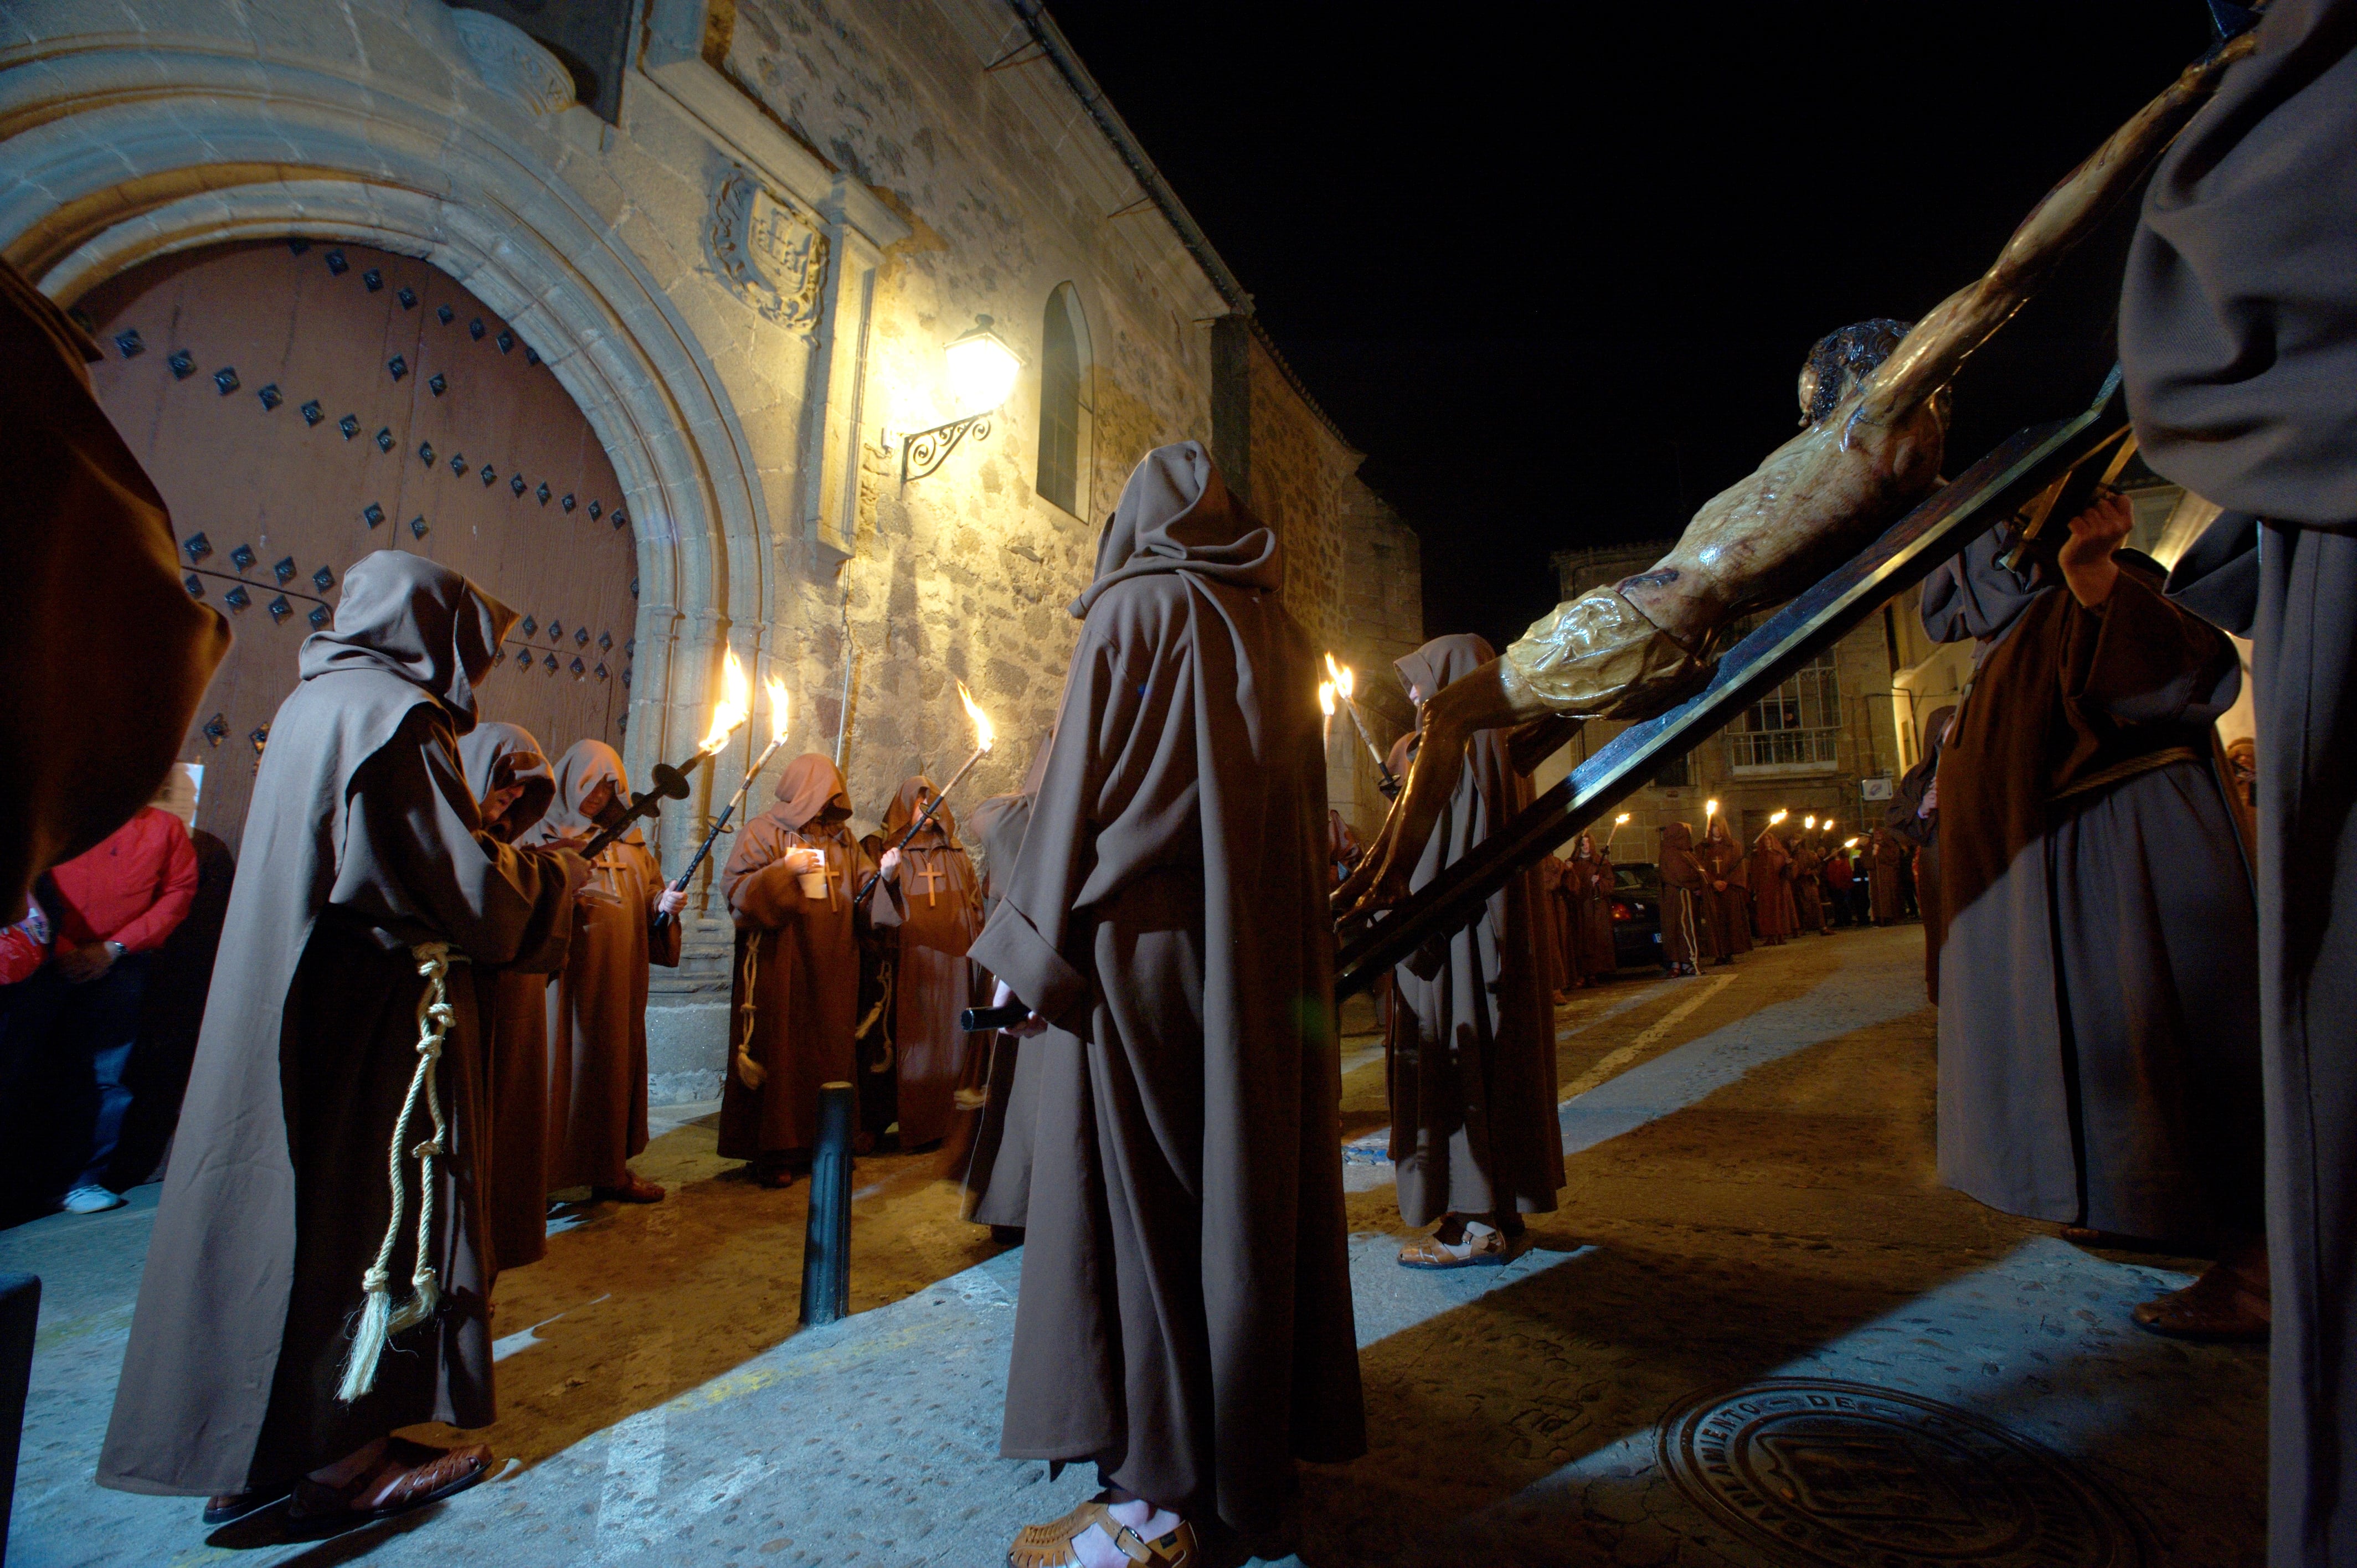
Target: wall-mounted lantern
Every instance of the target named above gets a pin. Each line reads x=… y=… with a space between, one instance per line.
x=982 y=371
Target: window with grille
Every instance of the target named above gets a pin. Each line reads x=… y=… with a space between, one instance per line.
x=1795 y=727
x=1060 y=401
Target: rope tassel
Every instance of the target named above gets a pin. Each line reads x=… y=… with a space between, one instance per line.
x=379 y=1320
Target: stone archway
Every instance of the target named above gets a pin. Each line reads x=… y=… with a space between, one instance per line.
x=106 y=162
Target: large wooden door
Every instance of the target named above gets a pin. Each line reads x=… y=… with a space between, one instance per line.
x=300 y=405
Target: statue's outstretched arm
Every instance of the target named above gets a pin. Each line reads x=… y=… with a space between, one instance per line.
x=1928 y=358
x=1479 y=701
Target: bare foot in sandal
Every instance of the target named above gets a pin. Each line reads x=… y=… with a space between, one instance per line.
x=1101 y=1534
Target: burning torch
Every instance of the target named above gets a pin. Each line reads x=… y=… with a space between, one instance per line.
x=776 y=739
x=735 y=706
x=1346 y=682
x=984 y=738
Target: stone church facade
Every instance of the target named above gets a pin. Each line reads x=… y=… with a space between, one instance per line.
x=740 y=234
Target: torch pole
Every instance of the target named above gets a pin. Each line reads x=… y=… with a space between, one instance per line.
x=922 y=818
x=1391 y=785
x=662 y=918
x=671 y=784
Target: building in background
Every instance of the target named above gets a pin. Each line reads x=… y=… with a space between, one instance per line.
x=641 y=311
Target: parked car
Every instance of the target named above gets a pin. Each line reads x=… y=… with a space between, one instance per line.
x=1636 y=904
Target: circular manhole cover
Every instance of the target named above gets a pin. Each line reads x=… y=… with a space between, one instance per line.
x=1850 y=1475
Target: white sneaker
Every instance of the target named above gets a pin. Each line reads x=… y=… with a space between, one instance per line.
x=92 y=1201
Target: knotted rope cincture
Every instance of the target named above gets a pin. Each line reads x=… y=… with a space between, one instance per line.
x=380 y=1319
x=749 y=1072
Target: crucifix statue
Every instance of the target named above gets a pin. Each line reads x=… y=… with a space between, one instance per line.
x=1874 y=411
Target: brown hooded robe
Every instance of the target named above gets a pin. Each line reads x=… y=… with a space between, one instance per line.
x=515 y=1015
x=1772 y=891
x=598 y=1008
x=1809 y=889
x=939 y=909
x=1592 y=889
x=1185 y=1316
x=1684 y=881
x=1556 y=878
x=2238 y=336
x=1469 y=1054
x=1886 y=853
x=2098 y=982
x=362 y=839
x=796 y=976
x=1002 y=1139
x=106 y=654
x=1731 y=907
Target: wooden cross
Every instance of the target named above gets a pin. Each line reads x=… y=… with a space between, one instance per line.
x=933 y=879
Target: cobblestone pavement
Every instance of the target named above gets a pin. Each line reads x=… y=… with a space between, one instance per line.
x=1750 y=1195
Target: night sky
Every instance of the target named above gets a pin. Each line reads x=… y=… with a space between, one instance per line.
x=1558 y=284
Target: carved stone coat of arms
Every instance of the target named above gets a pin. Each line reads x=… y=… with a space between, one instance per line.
x=771 y=256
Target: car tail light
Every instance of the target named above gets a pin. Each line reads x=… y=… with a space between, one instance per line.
x=1623 y=911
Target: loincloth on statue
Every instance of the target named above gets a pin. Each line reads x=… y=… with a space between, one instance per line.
x=1598 y=656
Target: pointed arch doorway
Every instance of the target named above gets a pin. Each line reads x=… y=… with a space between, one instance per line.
x=300 y=404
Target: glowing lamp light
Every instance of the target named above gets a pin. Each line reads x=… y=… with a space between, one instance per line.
x=982 y=368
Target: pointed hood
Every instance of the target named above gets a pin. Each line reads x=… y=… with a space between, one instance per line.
x=416 y=619
x=495 y=755
x=1176 y=515
x=908 y=804
x=1442 y=662
x=578 y=773
x=810 y=788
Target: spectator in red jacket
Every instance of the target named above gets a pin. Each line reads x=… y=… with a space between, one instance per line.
x=116 y=903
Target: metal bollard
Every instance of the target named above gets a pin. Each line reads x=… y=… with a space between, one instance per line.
x=20 y=1309
x=826 y=1243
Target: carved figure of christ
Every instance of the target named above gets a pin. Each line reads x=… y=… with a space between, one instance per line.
x=1875 y=432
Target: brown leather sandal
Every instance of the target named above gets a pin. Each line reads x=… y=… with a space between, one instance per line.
x=1050 y=1545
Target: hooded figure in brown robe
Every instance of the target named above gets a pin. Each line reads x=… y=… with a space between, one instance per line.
x=1682 y=882
x=1885 y=854
x=361 y=844
x=1556 y=879
x=598 y=1008
x=106 y=654
x=1470 y=1055
x=513 y=789
x=2098 y=981
x=1914 y=816
x=790 y=882
x=1599 y=956
x=1727 y=894
x=1771 y=889
x=2238 y=336
x=1002 y=1137
x=1809 y=887
x=1185 y=1316
x=939 y=900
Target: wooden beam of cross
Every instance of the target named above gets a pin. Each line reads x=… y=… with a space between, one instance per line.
x=1986 y=494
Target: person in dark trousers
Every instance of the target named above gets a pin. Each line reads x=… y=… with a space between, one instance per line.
x=117 y=903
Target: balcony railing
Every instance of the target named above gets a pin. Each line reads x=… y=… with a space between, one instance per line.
x=1756 y=751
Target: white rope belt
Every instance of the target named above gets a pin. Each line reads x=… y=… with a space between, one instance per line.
x=380 y=1319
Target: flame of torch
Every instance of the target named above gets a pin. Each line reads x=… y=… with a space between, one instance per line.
x=777 y=712
x=718 y=738
x=1709 y=809
x=1345 y=682
x=1850 y=843
x=1809 y=822
x=1326 y=707
x=1779 y=816
x=984 y=738
x=736 y=704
